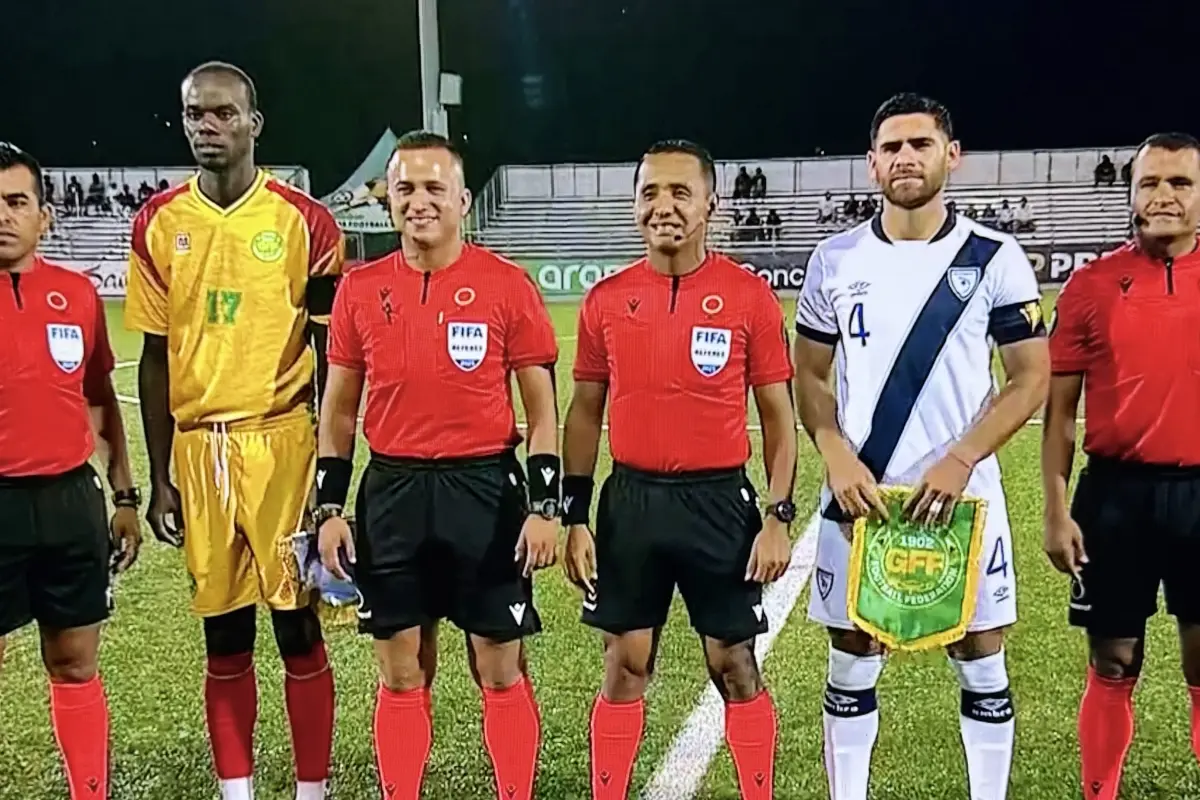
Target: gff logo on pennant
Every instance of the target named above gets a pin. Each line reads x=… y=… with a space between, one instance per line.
x=467 y=344
x=66 y=346
x=710 y=349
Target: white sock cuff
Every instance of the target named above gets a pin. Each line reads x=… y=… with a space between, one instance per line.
x=852 y=672
x=982 y=675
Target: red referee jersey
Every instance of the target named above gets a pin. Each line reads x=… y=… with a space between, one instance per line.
x=54 y=362
x=438 y=350
x=1128 y=323
x=679 y=354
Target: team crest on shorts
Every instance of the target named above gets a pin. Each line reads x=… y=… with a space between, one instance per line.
x=963 y=281
x=467 y=344
x=66 y=346
x=710 y=349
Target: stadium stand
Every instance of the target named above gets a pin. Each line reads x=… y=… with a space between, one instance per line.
x=1064 y=214
x=92 y=238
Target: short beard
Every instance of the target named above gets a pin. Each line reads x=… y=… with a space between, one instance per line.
x=929 y=190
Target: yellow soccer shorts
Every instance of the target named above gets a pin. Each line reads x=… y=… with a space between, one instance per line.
x=245 y=488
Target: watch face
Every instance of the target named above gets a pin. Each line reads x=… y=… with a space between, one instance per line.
x=784 y=511
x=547 y=509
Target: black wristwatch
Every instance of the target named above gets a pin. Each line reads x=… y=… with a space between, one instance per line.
x=127 y=498
x=546 y=509
x=784 y=511
x=326 y=512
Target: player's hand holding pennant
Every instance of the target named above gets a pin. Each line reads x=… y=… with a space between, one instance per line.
x=912 y=585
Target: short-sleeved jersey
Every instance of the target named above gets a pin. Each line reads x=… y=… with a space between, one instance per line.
x=679 y=355
x=913 y=324
x=439 y=349
x=54 y=364
x=1127 y=323
x=232 y=290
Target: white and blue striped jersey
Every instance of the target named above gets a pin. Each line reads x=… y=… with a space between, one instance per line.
x=913 y=323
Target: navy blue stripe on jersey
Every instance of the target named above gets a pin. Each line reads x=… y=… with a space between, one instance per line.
x=823 y=337
x=1016 y=322
x=917 y=356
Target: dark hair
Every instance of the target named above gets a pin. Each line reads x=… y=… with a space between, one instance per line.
x=12 y=156
x=696 y=151
x=1174 y=142
x=225 y=68
x=428 y=140
x=911 y=103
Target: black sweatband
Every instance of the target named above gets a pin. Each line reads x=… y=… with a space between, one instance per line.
x=543 y=470
x=577 y=499
x=333 y=480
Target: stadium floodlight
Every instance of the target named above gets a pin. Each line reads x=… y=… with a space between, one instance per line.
x=433 y=113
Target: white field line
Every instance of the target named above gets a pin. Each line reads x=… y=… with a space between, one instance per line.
x=679 y=774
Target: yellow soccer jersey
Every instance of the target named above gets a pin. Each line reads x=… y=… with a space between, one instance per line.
x=232 y=290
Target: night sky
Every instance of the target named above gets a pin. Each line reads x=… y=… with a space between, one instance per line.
x=95 y=82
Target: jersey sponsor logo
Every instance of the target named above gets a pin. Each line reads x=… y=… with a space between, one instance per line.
x=267 y=246
x=710 y=349
x=518 y=612
x=824 y=583
x=859 y=289
x=963 y=281
x=56 y=300
x=183 y=243
x=464 y=296
x=66 y=346
x=467 y=344
x=632 y=305
x=1032 y=312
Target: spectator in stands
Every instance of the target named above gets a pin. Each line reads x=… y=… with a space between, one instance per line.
x=866 y=209
x=48 y=190
x=754 y=227
x=1024 y=216
x=741 y=185
x=774 y=225
x=1006 y=217
x=989 y=216
x=97 y=195
x=126 y=200
x=163 y=185
x=850 y=208
x=1127 y=172
x=826 y=209
x=972 y=212
x=1106 y=172
x=74 y=195
x=144 y=193
x=758 y=184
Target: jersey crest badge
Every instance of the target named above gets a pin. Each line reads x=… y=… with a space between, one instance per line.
x=267 y=246
x=467 y=344
x=963 y=281
x=66 y=346
x=710 y=349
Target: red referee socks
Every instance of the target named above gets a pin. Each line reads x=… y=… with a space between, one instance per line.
x=751 y=731
x=512 y=735
x=616 y=736
x=231 y=709
x=308 y=692
x=403 y=739
x=79 y=712
x=1105 y=733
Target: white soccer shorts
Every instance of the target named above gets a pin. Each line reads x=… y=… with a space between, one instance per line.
x=996 y=598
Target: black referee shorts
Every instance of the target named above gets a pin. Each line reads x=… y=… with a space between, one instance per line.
x=694 y=530
x=1141 y=528
x=54 y=551
x=437 y=539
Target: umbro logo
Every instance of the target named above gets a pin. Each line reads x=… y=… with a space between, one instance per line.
x=518 y=612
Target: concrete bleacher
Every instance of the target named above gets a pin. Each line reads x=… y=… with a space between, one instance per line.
x=1065 y=214
x=88 y=238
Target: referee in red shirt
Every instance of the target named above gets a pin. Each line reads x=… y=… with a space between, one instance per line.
x=56 y=545
x=673 y=344
x=1125 y=331
x=446 y=523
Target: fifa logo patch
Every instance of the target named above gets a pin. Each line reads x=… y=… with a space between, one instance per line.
x=467 y=344
x=66 y=346
x=710 y=349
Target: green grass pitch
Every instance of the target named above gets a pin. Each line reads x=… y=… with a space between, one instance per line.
x=152 y=662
